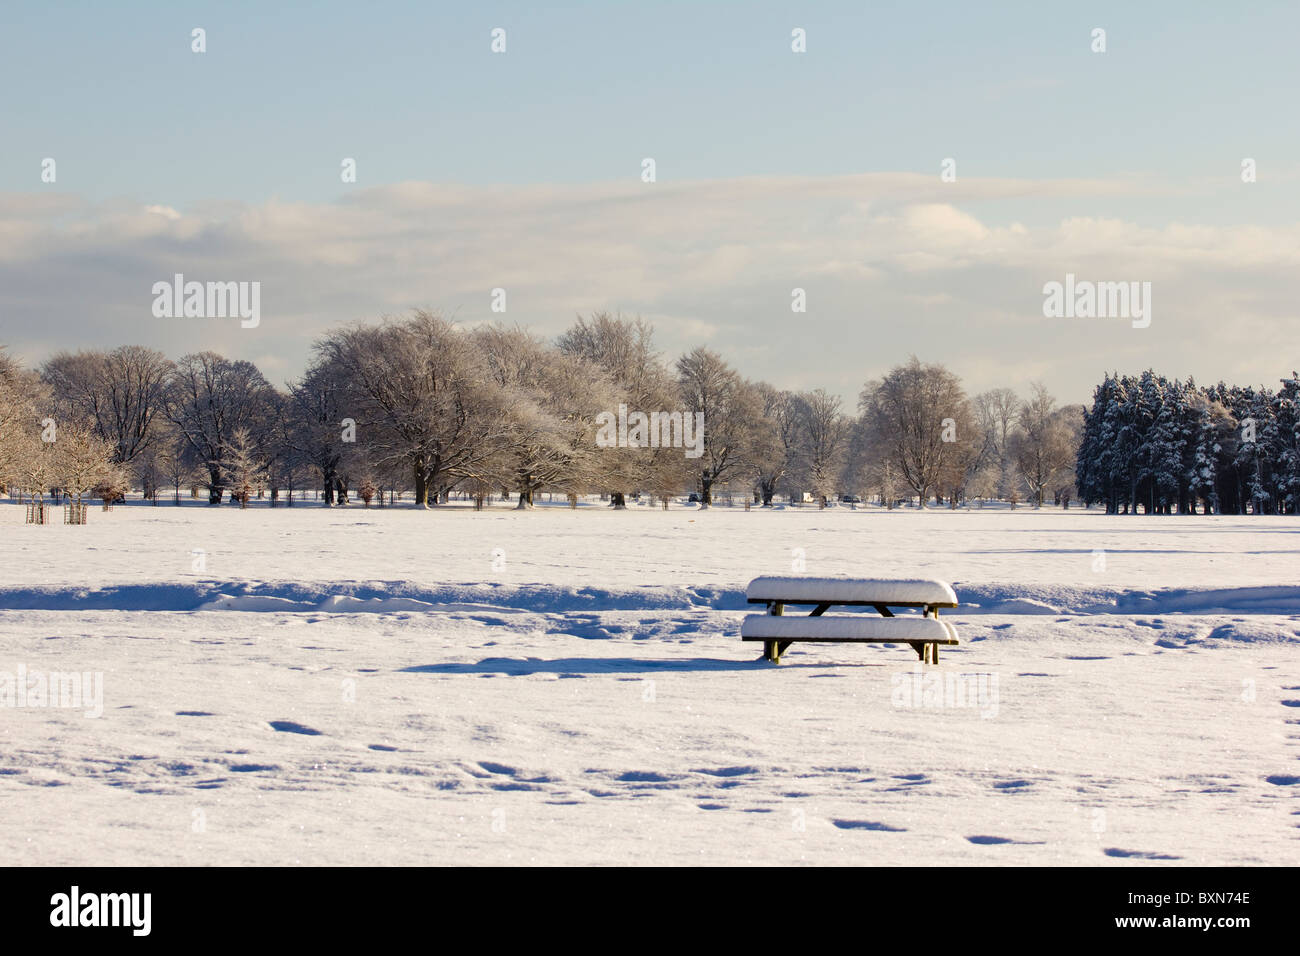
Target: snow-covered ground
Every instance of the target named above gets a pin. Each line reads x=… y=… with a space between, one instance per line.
x=357 y=685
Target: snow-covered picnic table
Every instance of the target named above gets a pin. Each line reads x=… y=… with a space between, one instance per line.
x=777 y=632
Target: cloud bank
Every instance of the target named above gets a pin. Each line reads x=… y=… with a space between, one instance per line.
x=890 y=264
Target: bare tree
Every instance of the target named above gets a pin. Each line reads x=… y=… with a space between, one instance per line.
x=149 y=468
x=321 y=419
x=776 y=440
x=971 y=448
x=177 y=462
x=914 y=414
x=731 y=410
x=1070 y=420
x=823 y=434
x=121 y=393
x=1044 y=446
x=996 y=412
x=211 y=398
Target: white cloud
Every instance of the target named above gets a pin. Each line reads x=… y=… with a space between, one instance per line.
x=892 y=264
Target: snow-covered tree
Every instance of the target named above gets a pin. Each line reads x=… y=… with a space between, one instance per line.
x=996 y=412
x=421 y=396
x=549 y=401
x=622 y=351
x=20 y=394
x=732 y=415
x=1043 y=447
x=82 y=461
x=244 y=466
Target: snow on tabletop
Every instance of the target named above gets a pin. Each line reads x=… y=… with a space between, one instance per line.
x=883 y=590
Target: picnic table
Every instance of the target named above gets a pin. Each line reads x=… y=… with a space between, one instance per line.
x=924 y=631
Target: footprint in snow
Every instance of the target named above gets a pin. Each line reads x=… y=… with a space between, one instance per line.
x=867 y=825
x=727 y=771
x=514 y=773
x=997 y=841
x=645 y=776
x=1139 y=854
x=292 y=727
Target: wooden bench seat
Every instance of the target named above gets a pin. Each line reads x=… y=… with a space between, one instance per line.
x=860 y=628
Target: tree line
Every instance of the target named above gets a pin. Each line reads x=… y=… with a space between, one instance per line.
x=1172 y=447
x=423 y=406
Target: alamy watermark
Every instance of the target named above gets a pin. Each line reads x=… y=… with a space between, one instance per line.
x=54 y=689
x=655 y=430
x=208 y=300
x=75 y=908
x=1085 y=299
x=930 y=690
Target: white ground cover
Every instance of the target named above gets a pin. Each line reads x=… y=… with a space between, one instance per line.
x=350 y=685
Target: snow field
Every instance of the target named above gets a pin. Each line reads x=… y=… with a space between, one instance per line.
x=381 y=694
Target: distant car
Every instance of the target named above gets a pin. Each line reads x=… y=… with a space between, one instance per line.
x=693 y=497
x=851 y=499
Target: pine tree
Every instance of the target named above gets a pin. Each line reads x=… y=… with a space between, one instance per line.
x=1286 y=415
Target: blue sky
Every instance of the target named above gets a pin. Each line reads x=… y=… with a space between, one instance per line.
x=712 y=91
x=585 y=90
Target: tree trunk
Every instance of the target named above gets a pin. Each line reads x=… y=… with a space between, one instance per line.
x=421 y=488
